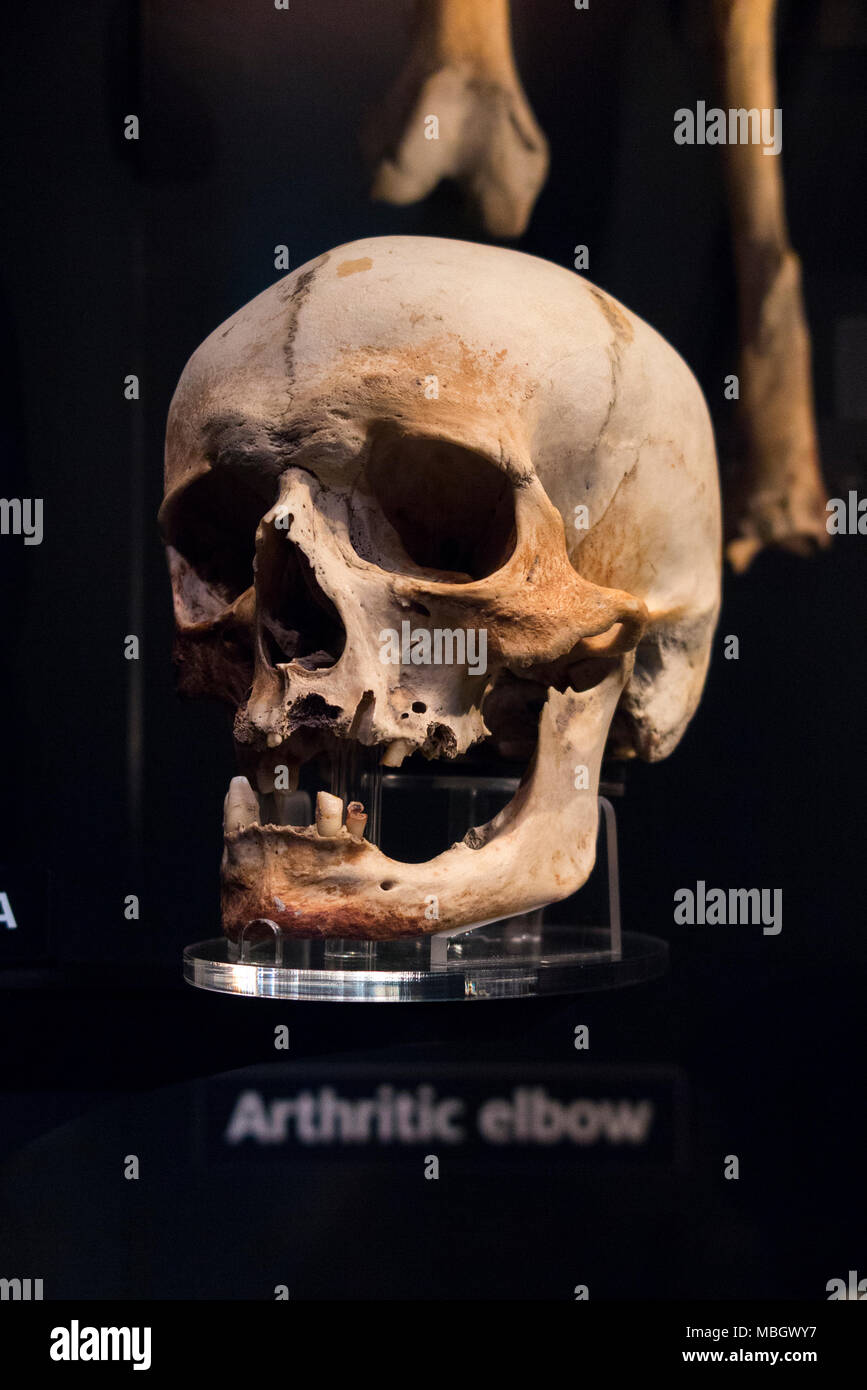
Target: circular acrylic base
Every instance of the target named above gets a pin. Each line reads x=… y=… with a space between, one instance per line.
x=492 y=962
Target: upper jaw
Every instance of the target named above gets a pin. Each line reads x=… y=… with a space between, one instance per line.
x=539 y=849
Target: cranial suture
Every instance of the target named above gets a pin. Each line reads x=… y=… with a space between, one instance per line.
x=557 y=491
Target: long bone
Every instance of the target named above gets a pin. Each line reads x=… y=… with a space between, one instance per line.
x=461 y=71
x=778 y=495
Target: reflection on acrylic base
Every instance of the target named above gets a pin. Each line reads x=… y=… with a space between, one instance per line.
x=501 y=961
x=519 y=957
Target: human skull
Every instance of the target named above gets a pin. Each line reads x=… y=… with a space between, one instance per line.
x=457 y=447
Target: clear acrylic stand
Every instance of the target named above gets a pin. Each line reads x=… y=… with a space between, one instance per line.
x=518 y=957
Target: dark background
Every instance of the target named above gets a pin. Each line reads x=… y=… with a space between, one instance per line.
x=121 y=257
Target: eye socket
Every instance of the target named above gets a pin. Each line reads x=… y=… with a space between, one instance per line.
x=452 y=509
x=211 y=526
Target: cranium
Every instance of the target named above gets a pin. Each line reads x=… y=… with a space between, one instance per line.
x=462 y=439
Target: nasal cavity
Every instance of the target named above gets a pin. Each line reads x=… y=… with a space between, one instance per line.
x=452 y=509
x=297 y=620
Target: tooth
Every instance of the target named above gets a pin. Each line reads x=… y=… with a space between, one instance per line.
x=329 y=814
x=356 y=819
x=395 y=753
x=292 y=808
x=241 y=806
x=274 y=739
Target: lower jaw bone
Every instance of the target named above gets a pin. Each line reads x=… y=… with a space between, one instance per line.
x=539 y=849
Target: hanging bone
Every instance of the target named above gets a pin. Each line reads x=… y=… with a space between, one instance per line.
x=777 y=495
x=458 y=111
